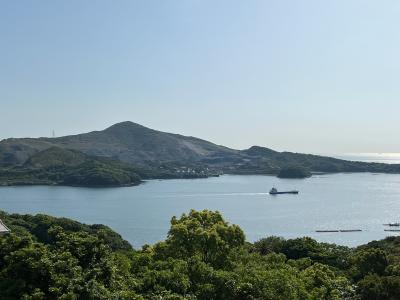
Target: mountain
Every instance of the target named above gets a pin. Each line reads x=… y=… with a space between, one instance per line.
x=164 y=155
x=126 y=141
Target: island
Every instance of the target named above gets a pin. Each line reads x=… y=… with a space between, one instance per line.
x=127 y=153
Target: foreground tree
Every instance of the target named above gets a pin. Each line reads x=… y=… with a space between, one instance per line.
x=203 y=258
x=204 y=234
x=369 y=261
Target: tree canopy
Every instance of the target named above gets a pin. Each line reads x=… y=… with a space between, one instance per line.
x=203 y=257
x=294 y=172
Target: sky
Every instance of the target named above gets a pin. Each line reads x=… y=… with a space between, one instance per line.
x=304 y=76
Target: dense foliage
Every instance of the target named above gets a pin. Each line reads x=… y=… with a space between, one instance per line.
x=56 y=166
x=294 y=172
x=203 y=257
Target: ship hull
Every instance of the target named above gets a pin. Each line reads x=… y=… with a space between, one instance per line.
x=280 y=193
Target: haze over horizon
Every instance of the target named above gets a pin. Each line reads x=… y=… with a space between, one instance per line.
x=309 y=76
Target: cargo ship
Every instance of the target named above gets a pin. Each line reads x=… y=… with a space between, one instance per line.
x=274 y=191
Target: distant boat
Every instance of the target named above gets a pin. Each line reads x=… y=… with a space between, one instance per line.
x=392 y=224
x=274 y=191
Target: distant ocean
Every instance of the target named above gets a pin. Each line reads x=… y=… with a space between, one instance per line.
x=387 y=158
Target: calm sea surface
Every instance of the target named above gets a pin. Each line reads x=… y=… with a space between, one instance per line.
x=141 y=214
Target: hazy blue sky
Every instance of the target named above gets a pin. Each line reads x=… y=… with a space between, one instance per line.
x=310 y=76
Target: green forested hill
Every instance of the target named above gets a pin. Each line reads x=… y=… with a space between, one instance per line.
x=203 y=257
x=56 y=166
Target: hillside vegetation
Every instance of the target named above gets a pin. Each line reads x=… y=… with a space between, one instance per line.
x=56 y=166
x=203 y=257
x=294 y=172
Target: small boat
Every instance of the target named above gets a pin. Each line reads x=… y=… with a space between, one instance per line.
x=274 y=191
x=392 y=224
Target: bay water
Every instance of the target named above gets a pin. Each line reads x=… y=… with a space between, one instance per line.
x=141 y=214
